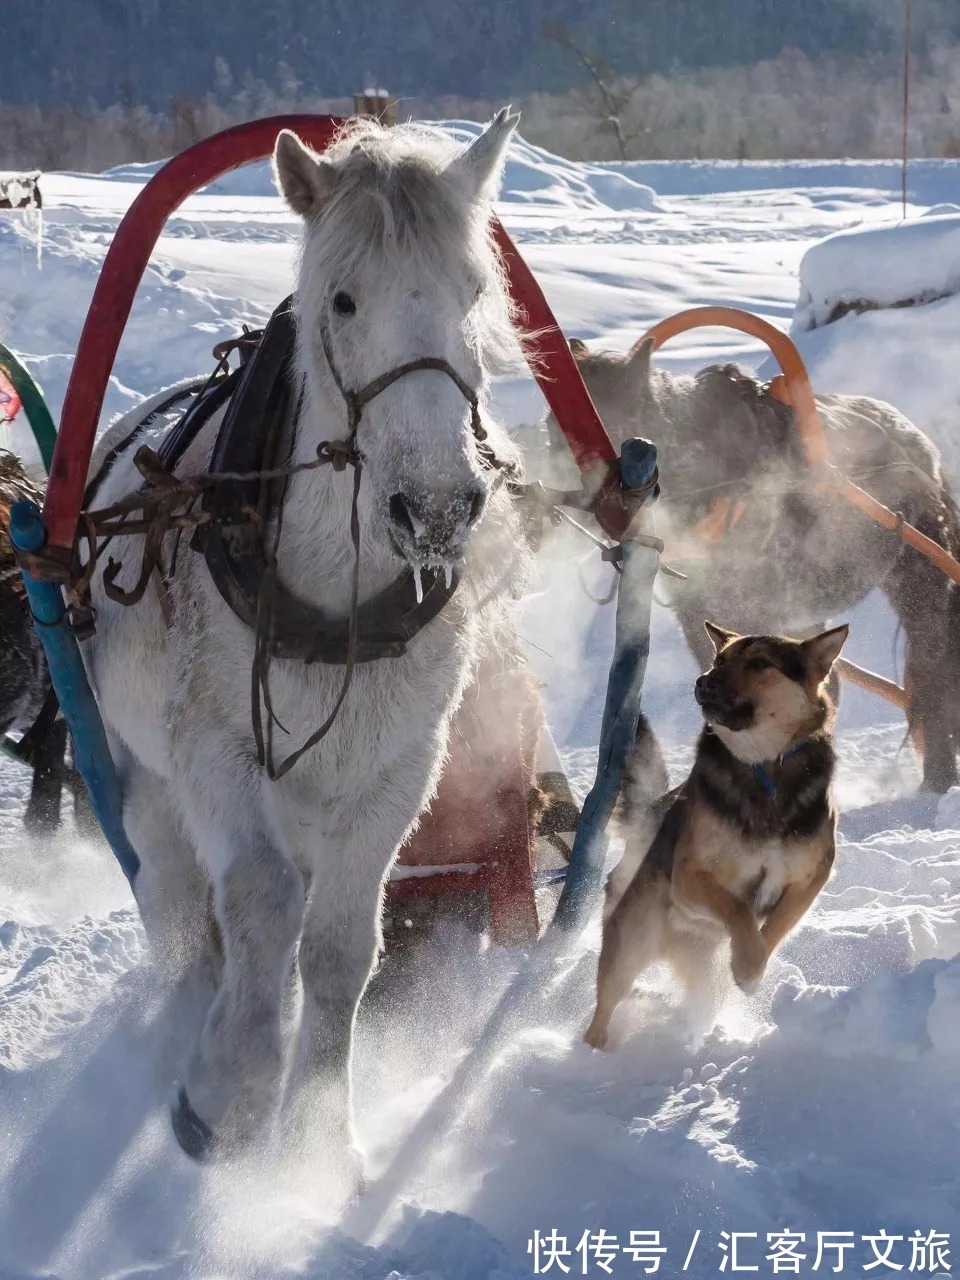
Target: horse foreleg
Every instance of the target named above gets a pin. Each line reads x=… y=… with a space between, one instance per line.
x=172 y=891
x=338 y=952
x=921 y=596
x=48 y=753
x=233 y=1077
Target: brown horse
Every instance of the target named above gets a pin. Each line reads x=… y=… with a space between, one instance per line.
x=764 y=550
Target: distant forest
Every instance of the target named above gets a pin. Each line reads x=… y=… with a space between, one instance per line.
x=94 y=83
x=151 y=52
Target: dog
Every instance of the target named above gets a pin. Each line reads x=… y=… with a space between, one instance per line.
x=743 y=847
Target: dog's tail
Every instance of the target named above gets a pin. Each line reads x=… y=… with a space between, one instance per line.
x=640 y=808
x=649 y=844
x=554 y=814
x=643 y=781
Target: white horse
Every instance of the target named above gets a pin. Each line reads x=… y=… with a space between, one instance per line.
x=270 y=887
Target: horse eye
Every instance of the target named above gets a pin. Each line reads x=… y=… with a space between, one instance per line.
x=343 y=304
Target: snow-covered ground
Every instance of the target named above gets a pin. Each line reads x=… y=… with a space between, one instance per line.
x=826 y=1104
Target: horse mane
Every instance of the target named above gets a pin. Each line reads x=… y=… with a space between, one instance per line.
x=395 y=197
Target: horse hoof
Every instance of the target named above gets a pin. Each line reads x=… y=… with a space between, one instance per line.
x=194 y=1135
x=40 y=822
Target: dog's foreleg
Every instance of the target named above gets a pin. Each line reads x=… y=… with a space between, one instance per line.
x=748 y=952
x=615 y=977
x=632 y=941
x=794 y=903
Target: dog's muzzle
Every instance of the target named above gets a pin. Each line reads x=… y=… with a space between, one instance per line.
x=722 y=708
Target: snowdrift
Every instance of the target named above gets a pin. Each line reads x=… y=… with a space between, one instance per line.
x=905 y=265
x=532 y=176
x=826 y=181
x=878 y=314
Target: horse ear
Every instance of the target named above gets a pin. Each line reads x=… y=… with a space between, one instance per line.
x=481 y=164
x=823 y=650
x=578 y=347
x=638 y=358
x=304 y=180
x=719 y=636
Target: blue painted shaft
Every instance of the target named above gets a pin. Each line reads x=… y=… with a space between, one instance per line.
x=91 y=751
x=621 y=711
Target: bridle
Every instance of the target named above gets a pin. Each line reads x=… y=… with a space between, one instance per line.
x=340 y=454
x=356 y=401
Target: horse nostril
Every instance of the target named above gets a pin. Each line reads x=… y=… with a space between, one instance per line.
x=477 y=503
x=400 y=513
x=439 y=522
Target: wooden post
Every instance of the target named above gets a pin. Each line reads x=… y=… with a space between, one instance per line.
x=376 y=103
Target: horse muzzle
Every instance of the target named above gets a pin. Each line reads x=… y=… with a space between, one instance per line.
x=431 y=530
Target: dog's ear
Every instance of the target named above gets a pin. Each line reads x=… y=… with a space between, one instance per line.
x=578 y=347
x=719 y=636
x=823 y=650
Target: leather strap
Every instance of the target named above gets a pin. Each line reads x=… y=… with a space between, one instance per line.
x=249 y=440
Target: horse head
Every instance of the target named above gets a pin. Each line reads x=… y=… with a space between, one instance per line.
x=621 y=388
x=402 y=309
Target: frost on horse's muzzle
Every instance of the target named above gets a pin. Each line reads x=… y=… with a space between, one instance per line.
x=432 y=529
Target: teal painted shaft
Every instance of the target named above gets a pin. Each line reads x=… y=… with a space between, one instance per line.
x=90 y=748
x=621 y=712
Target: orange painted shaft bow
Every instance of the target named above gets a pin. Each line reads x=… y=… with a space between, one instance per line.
x=795 y=390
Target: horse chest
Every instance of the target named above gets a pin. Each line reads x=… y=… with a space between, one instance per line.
x=394 y=712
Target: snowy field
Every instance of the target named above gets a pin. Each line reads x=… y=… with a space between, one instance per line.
x=828 y=1103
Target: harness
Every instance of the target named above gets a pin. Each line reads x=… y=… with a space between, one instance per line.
x=244 y=496
x=235 y=549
